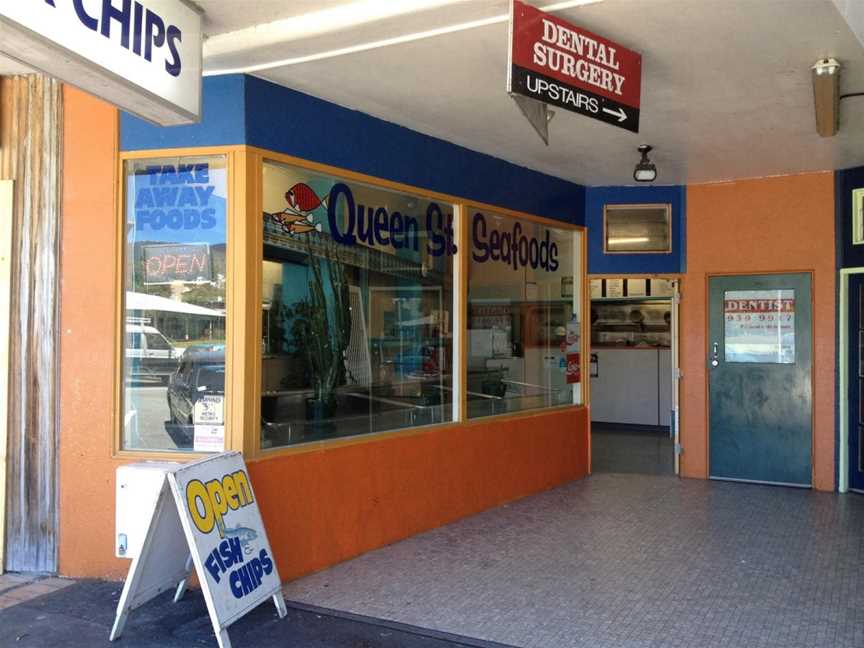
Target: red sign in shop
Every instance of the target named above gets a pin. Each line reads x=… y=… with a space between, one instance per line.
x=574 y=368
x=165 y=264
x=561 y=64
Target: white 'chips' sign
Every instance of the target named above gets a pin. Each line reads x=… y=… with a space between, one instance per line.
x=144 y=56
x=206 y=515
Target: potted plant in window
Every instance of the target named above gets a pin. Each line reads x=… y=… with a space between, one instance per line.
x=321 y=327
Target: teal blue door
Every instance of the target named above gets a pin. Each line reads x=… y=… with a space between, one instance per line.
x=759 y=373
x=855 y=394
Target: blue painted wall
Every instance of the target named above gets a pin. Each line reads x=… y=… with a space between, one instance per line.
x=845 y=181
x=601 y=263
x=848 y=256
x=240 y=109
x=223 y=121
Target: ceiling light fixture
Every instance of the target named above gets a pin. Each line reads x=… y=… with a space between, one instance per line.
x=219 y=44
x=826 y=96
x=627 y=240
x=645 y=170
x=316 y=23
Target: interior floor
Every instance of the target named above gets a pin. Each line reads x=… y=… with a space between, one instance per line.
x=637 y=449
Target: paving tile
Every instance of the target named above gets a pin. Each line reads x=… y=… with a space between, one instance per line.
x=55 y=584
x=13 y=580
x=625 y=560
x=7 y=601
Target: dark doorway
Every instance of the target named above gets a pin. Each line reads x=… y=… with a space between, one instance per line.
x=617 y=448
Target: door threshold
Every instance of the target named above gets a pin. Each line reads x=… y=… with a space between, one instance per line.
x=762 y=483
x=856 y=490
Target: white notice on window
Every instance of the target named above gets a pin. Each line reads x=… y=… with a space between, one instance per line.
x=209 y=410
x=759 y=326
x=209 y=438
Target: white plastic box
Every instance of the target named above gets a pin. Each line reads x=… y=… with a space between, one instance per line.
x=137 y=489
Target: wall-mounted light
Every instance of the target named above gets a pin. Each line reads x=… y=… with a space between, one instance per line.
x=826 y=96
x=645 y=170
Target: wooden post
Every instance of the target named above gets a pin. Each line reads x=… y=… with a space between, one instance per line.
x=5 y=295
x=30 y=154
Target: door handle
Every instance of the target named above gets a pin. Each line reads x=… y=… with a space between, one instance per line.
x=714 y=354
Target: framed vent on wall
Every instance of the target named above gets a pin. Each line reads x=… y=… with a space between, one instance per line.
x=858 y=217
x=637 y=229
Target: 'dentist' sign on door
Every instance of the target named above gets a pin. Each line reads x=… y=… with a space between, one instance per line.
x=558 y=63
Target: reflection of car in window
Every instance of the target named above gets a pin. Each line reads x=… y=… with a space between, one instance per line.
x=201 y=373
x=149 y=354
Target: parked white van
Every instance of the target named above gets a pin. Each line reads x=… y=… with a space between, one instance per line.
x=149 y=354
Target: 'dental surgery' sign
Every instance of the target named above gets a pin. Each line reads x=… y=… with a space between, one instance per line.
x=207 y=515
x=558 y=63
x=144 y=56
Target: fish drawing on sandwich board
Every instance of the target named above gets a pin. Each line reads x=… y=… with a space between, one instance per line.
x=245 y=535
x=297 y=217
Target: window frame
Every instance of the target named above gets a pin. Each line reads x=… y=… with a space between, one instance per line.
x=244 y=258
x=584 y=305
x=667 y=207
x=233 y=157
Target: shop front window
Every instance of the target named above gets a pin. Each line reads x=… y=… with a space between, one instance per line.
x=357 y=305
x=174 y=295
x=524 y=331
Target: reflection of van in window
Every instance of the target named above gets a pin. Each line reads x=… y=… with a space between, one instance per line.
x=149 y=354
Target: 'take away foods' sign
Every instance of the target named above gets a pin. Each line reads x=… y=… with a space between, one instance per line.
x=558 y=63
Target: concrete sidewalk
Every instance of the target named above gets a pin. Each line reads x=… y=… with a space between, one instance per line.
x=17 y=588
x=80 y=615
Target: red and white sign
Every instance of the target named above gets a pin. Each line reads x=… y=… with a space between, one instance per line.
x=564 y=65
x=572 y=346
x=574 y=368
x=759 y=326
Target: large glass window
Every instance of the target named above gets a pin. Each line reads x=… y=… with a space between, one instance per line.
x=357 y=294
x=174 y=325
x=524 y=331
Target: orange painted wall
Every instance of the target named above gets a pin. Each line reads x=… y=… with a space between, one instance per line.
x=324 y=507
x=87 y=320
x=764 y=225
x=320 y=507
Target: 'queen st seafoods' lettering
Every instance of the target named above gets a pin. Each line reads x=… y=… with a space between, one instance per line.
x=513 y=248
x=351 y=222
x=376 y=226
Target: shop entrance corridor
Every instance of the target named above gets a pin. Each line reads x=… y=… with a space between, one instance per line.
x=631 y=449
x=623 y=561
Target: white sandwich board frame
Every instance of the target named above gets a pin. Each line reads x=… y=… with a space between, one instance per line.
x=206 y=516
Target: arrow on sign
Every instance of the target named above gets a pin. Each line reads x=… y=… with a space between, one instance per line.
x=620 y=114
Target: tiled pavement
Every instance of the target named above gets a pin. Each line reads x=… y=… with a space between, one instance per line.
x=626 y=561
x=17 y=588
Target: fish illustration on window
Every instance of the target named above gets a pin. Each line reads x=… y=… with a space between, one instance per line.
x=297 y=217
x=245 y=535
